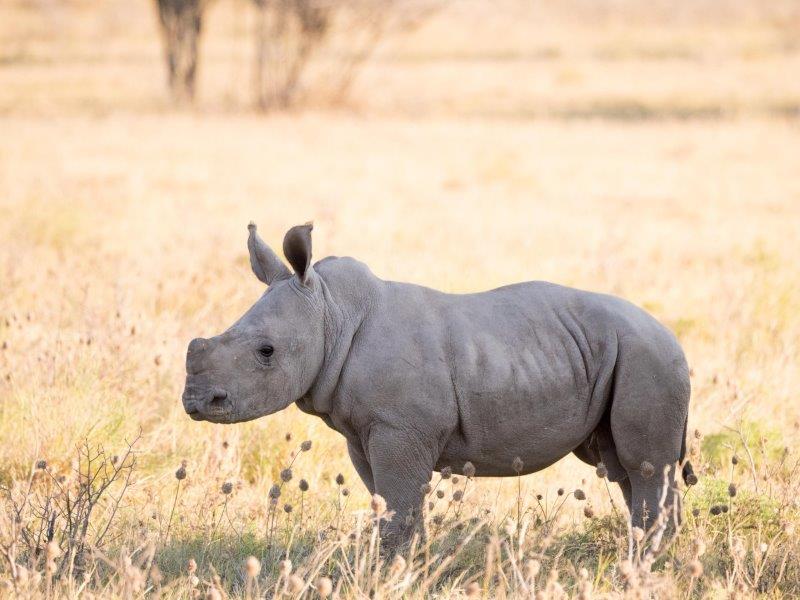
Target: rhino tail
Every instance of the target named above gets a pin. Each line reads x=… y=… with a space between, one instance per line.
x=687 y=472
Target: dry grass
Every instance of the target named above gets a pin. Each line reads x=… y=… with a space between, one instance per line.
x=122 y=236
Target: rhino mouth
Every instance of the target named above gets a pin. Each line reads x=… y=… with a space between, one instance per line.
x=213 y=415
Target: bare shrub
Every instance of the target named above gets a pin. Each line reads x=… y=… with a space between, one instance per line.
x=55 y=520
x=287 y=32
x=290 y=33
x=181 y=23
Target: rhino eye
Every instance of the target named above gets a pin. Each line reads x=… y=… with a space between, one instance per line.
x=266 y=351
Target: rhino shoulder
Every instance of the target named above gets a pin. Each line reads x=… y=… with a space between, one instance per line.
x=336 y=268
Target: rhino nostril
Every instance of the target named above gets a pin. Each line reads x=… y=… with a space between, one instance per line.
x=219 y=397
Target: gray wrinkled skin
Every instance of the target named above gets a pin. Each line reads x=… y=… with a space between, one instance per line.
x=417 y=380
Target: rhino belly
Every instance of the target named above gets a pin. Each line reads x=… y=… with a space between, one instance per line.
x=538 y=437
x=522 y=410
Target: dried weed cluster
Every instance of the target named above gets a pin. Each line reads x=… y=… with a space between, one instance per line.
x=63 y=534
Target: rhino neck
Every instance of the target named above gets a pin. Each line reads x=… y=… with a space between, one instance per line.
x=343 y=314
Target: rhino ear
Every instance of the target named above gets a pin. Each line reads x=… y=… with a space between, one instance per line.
x=265 y=263
x=297 y=249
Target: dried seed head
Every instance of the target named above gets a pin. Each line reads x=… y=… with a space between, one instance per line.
x=340 y=479
x=539 y=497
x=715 y=510
x=695 y=568
x=295 y=584
x=324 y=587
x=303 y=485
x=437 y=519
x=288 y=436
x=560 y=491
x=305 y=446
x=398 y=565
x=723 y=508
x=532 y=568
x=287 y=508
x=275 y=491
x=285 y=567
x=510 y=527
x=788 y=528
x=52 y=551
x=345 y=492
x=180 y=474
x=430 y=505
x=691 y=479
x=156 y=576
x=286 y=475
x=647 y=469
x=227 y=488
x=41 y=464
x=191 y=566
x=378 y=504
x=626 y=570
x=213 y=594
x=455 y=479
x=22 y=574
x=472 y=590
x=588 y=512
x=638 y=534
x=579 y=495
x=440 y=494
x=734 y=460
x=468 y=469
x=698 y=547
x=732 y=490
x=446 y=473
x=426 y=489
x=695 y=512
x=458 y=495
x=252 y=566
x=601 y=471
x=517 y=465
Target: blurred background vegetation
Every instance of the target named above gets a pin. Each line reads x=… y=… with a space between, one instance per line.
x=621 y=59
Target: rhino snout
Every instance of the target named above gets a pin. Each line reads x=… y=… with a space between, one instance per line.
x=203 y=403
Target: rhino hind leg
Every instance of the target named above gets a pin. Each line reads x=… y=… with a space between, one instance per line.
x=647 y=421
x=650 y=500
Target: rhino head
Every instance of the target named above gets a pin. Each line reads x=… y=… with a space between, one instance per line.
x=271 y=356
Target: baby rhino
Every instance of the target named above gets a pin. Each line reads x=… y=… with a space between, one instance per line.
x=417 y=380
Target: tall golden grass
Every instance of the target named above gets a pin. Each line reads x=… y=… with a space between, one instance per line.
x=655 y=157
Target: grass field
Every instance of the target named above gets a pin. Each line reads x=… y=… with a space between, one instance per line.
x=654 y=155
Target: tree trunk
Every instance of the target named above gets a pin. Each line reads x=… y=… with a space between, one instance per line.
x=181 y=24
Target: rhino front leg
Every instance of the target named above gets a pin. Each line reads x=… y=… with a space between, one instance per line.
x=401 y=464
x=361 y=464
